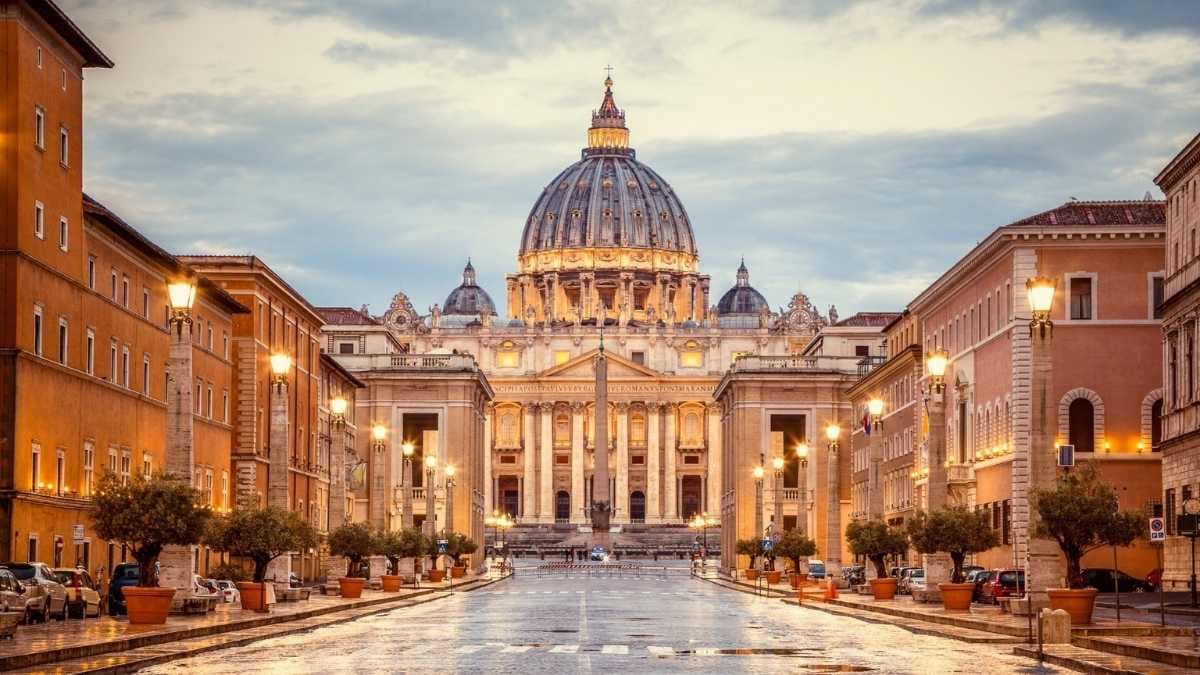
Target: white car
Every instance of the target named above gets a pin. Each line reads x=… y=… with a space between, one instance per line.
x=229 y=591
x=202 y=586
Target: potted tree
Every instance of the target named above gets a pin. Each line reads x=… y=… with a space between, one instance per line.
x=354 y=542
x=147 y=515
x=260 y=535
x=1081 y=513
x=876 y=540
x=395 y=546
x=458 y=545
x=957 y=531
x=794 y=546
x=753 y=548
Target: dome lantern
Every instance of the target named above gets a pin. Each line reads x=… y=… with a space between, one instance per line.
x=608 y=131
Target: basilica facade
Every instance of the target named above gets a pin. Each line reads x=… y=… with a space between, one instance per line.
x=608 y=257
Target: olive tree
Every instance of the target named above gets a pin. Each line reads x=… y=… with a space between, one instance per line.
x=876 y=540
x=354 y=542
x=396 y=545
x=261 y=535
x=954 y=530
x=794 y=546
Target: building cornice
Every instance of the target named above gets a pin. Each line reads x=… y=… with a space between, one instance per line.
x=906 y=359
x=1179 y=166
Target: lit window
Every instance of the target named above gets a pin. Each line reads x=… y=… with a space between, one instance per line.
x=508 y=356
x=691 y=356
x=39 y=220
x=561 y=357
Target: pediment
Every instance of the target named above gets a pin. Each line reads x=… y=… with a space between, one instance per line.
x=582 y=368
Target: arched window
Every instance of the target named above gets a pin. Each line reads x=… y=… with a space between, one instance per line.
x=1156 y=425
x=562 y=506
x=1081 y=425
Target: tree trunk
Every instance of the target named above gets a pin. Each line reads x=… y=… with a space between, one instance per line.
x=957 y=558
x=146 y=563
x=260 y=569
x=880 y=568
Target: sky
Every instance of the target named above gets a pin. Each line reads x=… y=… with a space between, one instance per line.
x=852 y=150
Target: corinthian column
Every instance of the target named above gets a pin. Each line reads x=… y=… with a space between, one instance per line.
x=670 y=511
x=653 y=493
x=578 y=410
x=622 y=496
x=546 y=470
x=529 y=475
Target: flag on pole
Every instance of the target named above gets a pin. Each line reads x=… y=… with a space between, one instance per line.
x=866 y=422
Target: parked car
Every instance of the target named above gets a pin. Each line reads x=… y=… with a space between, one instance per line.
x=1101 y=579
x=1001 y=584
x=53 y=602
x=599 y=554
x=906 y=577
x=229 y=591
x=916 y=581
x=12 y=594
x=202 y=586
x=816 y=569
x=294 y=580
x=124 y=574
x=967 y=570
x=82 y=599
x=1154 y=577
x=854 y=575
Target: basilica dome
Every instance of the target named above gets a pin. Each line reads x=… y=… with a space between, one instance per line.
x=608 y=199
x=469 y=299
x=742 y=299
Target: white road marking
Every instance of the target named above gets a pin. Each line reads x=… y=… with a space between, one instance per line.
x=660 y=651
x=469 y=649
x=614 y=649
x=564 y=649
x=516 y=649
x=706 y=651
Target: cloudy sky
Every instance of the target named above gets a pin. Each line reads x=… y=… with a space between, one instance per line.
x=850 y=149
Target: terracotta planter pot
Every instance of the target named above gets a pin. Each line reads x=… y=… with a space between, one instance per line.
x=751 y=575
x=799 y=579
x=254 y=595
x=147 y=605
x=391 y=582
x=351 y=587
x=883 y=589
x=1078 y=602
x=436 y=575
x=774 y=576
x=956 y=597
x=458 y=571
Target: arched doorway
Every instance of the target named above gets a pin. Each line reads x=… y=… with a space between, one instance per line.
x=637 y=506
x=562 y=506
x=691 y=493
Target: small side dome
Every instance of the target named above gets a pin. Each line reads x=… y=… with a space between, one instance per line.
x=742 y=299
x=469 y=299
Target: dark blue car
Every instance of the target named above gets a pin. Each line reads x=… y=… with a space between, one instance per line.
x=125 y=574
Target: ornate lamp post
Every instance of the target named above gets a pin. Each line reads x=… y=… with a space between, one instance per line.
x=178 y=563
x=758 y=501
x=337 y=460
x=1035 y=466
x=777 y=463
x=802 y=474
x=874 y=479
x=833 y=503
x=450 y=484
x=406 y=513
x=937 y=565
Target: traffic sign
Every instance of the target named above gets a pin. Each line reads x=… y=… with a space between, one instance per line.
x=442 y=546
x=78 y=532
x=767 y=544
x=776 y=536
x=1158 y=529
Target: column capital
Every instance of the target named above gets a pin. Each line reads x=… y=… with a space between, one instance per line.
x=653 y=406
x=622 y=407
x=578 y=407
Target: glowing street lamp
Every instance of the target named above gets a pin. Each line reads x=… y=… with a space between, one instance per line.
x=1041 y=297
x=802 y=454
x=875 y=407
x=281 y=365
x=337 y=409
x=181 y=295
x=379 y=437
x=936 y=363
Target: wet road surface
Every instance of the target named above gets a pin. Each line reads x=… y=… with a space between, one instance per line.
x=531 y=624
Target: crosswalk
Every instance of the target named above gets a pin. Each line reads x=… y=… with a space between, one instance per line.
x=654 y=651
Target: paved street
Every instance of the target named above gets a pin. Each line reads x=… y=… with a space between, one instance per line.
x=551 y=624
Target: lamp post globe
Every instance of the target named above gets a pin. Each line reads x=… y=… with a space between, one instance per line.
x=936 y=363
x=181 y=295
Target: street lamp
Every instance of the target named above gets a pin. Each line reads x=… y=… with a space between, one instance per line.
x=1041 y=296
x=406 y=515
x=802 y=454
x=936 y=364
x=758 y=501
x=281 y=365
x=875 y=407
x=702 y=522
x=337 y=410
x=430 y=513
x=379 y=437
x=450 y=484
x=181 y=295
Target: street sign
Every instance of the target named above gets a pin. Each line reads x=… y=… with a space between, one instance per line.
x=442 y=546
x=78 y=532
x=1066 y=455
x=767 y=544
x=776 y=536
x=1158 y=529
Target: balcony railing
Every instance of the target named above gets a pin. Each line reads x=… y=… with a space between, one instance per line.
x=444 y=362
x=761 y=363
x=959 y=473
x=791 y=494
x=418 y=494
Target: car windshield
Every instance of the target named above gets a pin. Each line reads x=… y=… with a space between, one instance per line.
x=64 y=577
x=130 y=572
x=23 y=572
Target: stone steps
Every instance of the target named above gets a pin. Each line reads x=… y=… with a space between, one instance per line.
x=1181 y=651
x=1100 y=663
x=914 y=626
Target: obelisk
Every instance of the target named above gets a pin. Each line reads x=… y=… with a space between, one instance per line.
x=601 y=506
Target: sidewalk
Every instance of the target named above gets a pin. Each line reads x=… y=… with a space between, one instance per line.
x=79 y=643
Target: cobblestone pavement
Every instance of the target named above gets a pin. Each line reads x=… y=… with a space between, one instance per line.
x=605 y=624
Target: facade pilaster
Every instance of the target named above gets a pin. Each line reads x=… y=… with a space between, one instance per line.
x=713 y=505
x=578 y=410
x=546 y=464
x=489 y=494
x=653 y=493
x=670 y=508
x=529 y=475
x=621 y=514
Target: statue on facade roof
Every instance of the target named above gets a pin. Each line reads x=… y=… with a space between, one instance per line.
x=435 y=316
x=833 y=314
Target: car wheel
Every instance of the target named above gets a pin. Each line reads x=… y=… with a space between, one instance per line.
x=44 y=615
x=62 y=614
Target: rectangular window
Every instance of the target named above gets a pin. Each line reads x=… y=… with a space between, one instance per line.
x=91 y=272
x=63 y=233
x=39 y=128
x=1170 y=510
x=90 y=355
x=638 y=358
x=198 y=404
x=60 y=471
x=64 y=141
x=35 y=468
x=126 y=466
x=146 y=303
x=39 y=57
x=112 y=361
x=1156 y=296
x=146 y=462
x=89 y=467
x=125 y=366
x=225 y=345
x=146 y=374
x=37 y=330
x=345 y=347
x=225 y=407
x=62 y=341
x=114 y=285
x=125 y=291
x=210 y=402
x=862 y=350
x=112 y=461
x=225 y=489
x=39 y=220
x=210 y=336
x=33 y=548
x=1081 y=298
